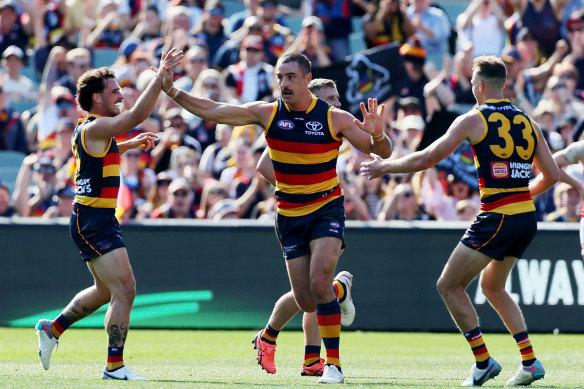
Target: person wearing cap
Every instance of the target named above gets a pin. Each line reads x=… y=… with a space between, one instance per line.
x=179 y=203
x=251 y=78
x=312 y=43
x=93 y=225
x=12 y=31
x=209 y=31
x=63 y=200
x=16 y=86
x=506 y=144
x=411 y=129
x=389 y=24
x=414 y=58
x=301 y=128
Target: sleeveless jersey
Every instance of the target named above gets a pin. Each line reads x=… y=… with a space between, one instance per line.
x=97 y=177
x=503 y=158
x=304 y=150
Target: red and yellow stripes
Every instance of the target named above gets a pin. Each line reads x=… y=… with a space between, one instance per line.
x=329 y=322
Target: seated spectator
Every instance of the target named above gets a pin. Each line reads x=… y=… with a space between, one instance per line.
x=402 y=204
x=11 y=30
x=224 y=209
x=173 y=136
x=568 y=203
x=64 y=203
x=6 y=208
x=33 y=199
x=12 y=131
x=466 y=210
x=213 y=191
x=157 y=195
x=411 y=129
x=228 y=53
x=389 y=23
x=209 y=30
x=110 y=28
x=179 y=202
x=15 y=86
x=312 y=43
x=196 y=60
x=149 y=25
x=78 y=62
x=251 y=78
x=209 y=161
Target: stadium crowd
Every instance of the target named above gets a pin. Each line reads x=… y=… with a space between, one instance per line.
x=203 y=170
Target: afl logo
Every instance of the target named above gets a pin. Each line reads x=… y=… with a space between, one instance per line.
x=314 y=126
x=500 y=169
x=285 y=124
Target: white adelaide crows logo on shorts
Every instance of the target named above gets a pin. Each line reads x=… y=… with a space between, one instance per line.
x=314 y=128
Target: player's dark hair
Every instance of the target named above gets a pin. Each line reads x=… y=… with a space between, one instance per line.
x=92 y=81
x=303 y=62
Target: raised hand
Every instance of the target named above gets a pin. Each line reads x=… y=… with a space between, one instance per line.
x=374 y=168
x=372 y=120
x=144 y=141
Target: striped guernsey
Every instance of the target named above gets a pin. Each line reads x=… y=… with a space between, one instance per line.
x=304 y=149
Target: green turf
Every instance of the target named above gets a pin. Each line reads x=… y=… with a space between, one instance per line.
x=214 y=359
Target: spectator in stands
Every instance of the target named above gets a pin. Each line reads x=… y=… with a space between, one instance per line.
x=62 y=153
x=228 y=53
x=12 y=131
x=110 y=28
x=34 y=199
x=278 y=36
x=157 y=195
x=209 y=30
x=251 y=78
x=568 y=73
x=16 y=86
x=568 y=202
x=336 y=17
x=210 y=85
x=63 y=203
x=236 y=21
x=543 y=19
x=11 y=30
x=575 y=33
x=312 y=43
x=210 y=164
x=482 y=24
x=414 y=57
x=243 y=164
x=213 y=191
x=401 y=203
x=179 y=202
x=389 y=23
x=78 y=62
x=528 y=48
x=149 y=25
x=136 y=177
x=460 y=79
x=55 y=104
x=466 y=210
x=173 y=136
x=562 y=101
x=432 y=27
x=6 y=208
x=196 y=60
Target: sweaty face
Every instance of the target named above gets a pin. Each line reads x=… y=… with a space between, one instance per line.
x=330 y=95
x=293 y=84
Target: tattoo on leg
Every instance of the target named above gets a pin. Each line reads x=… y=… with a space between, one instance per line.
x=117 y=335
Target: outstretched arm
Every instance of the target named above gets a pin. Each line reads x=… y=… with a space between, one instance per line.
x=544 y=161
x=211 y=111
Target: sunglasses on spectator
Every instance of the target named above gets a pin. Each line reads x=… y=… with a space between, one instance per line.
x=256 y=28
x=198 y=60
x=180 y=193
x=567 y=76
x=252 y=50
x=217 y=192
x=64 y=104
x=163 y=182
x=558 y=86
x=132 y=155
x=82 y=65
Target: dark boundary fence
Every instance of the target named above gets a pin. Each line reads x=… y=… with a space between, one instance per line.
x=196 y=274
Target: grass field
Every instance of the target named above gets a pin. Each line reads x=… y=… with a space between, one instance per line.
x=215 y=359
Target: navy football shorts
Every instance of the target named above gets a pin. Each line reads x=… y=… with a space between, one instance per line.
x=95 y=231
x=295 y=233
x=500 y=236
